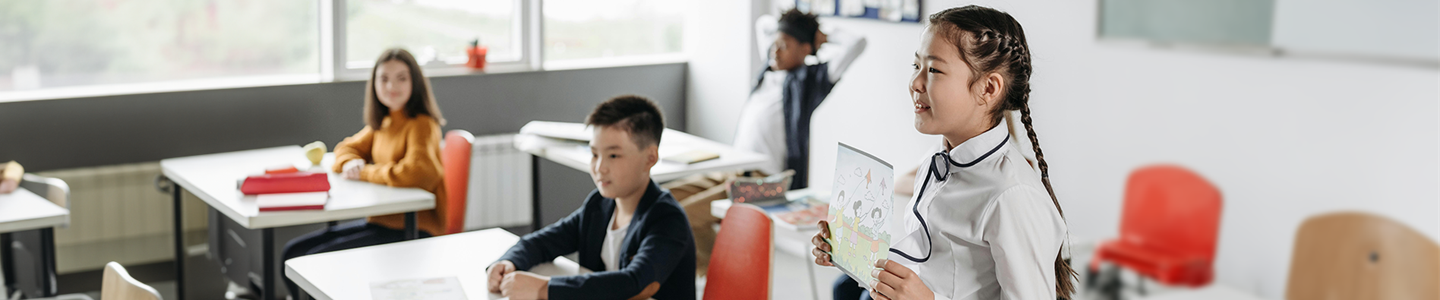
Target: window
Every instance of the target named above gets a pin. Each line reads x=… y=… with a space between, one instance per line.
x=587 y=29
x=435 y=31
x=67 y=43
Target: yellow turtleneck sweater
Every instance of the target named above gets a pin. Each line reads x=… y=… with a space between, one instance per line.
x=404 y=152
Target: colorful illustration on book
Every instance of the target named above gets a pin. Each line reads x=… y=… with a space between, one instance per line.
x=860 y=212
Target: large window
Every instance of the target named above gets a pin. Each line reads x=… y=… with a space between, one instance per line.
x=435 y=31
x=586 y=29
x=66 y=43
x=74 y=48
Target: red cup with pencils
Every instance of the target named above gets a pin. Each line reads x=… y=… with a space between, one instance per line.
x=477 y=55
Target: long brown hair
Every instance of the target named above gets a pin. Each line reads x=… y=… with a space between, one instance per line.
x=991 y=41
x=422 y=100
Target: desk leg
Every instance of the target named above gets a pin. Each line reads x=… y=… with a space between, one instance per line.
x=7 y=266
x=411 y=229
x=535 y=193
x=267 y=247
x=179 y=243
x=47 y=244
x=810 y=269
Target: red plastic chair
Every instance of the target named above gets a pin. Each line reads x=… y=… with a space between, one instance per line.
x=1169 y=228
x=456 y=159
x=740 y=265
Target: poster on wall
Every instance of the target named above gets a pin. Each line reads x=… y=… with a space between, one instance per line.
x=886 y=10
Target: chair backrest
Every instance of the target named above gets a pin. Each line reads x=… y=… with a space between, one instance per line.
x=456 y=159
x=52 y=189
x=118 y=285
x=1352 y=255
x=740 y=264
x=1171 y=209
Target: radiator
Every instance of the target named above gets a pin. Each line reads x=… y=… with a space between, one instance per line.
x=116 y=214
x=500 y=184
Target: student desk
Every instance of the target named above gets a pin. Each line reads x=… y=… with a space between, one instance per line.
x=214 y=179
x=347 y=274
x=796 y=240
x=1214 y=291
x=23 y=210
x=567 y=144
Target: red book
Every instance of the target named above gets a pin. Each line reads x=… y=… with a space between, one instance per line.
x=299 y=182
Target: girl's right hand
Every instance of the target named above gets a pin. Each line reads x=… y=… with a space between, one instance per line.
x=822 y=248
x=351 y=169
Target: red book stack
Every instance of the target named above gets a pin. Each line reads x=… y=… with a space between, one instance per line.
x=288 y=191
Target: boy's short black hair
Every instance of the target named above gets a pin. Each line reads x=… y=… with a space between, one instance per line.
x=634 y=114
x=801 y=26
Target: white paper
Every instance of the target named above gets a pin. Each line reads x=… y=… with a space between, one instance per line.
x=264 y=201
x=440 y=288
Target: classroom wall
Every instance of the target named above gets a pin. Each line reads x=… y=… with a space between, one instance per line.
x=81 y=132
x=1283 y=138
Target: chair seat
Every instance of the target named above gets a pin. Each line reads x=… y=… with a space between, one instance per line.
x=1166 y=267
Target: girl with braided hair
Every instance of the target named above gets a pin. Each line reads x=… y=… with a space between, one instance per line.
x=983 y=223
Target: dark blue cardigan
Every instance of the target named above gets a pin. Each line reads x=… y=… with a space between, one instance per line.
x=658 y=248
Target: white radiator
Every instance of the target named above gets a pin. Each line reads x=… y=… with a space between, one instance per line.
x=116 y=214
x=500 y=184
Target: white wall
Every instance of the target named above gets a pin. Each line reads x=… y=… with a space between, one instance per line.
x=1283 y=138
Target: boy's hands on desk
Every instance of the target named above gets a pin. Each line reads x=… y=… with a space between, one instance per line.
x=351 y=169
x=521 y=285
x=497 y=271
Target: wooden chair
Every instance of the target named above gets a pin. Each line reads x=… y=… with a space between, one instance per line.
x=1353 y=255
x=118 y=285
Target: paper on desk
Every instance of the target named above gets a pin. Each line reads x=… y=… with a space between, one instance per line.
x=557 y=130
x=440 y=288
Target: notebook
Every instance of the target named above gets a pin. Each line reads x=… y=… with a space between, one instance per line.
x=862 y=197
x=292 y=201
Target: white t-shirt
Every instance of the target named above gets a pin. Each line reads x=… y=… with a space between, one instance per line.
x=762 y=123
x=610 y=250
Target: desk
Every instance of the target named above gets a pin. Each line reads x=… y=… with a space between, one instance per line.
x=796 y=240
x=213 y=179
x=1214 y=291
x=337 y=275
x=23 y=210
x=565 y=144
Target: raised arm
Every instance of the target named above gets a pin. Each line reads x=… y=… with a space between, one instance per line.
x=841 y=49
x=766 y=27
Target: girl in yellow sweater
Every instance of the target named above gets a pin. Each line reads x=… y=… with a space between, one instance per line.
x=399 y=146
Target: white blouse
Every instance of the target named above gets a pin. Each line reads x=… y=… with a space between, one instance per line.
x=996 y=232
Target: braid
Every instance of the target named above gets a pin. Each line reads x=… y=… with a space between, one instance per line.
x=997 y=44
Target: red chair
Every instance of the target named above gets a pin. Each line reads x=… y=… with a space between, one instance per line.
x=740 y=265
x=456 y=158
x=1169 y=228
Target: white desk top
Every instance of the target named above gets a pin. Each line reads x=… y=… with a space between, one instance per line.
x=23 y=210
x=576 y=154
x=348 y=274
x=213 y=178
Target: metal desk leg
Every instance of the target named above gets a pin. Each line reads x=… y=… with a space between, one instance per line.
x=272 y=285
x=810 y=269
x=175 y=192
x=47 y=252
x=535 y=193
x=411 y=230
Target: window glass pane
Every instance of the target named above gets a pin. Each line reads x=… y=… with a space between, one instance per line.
x=432 y=30
x=577 y=29
x=59 y=43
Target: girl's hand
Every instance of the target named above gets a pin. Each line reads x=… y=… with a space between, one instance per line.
x=351 y=169
x=896 y=282
x=523 y=285
x=822 y=248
